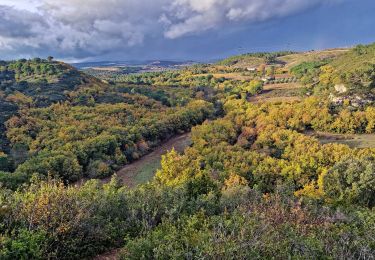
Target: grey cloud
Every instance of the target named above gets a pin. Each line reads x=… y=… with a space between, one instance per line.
x=19 y=23
x=201 y=15
x=77 y=28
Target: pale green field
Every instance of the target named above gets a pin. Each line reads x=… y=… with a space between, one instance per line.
x=143 y=170
x=353 y=141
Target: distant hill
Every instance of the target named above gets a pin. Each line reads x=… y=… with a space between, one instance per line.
x=254 y=59
x=135 y=63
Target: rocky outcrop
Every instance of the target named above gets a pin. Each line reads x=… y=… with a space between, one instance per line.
x=340 y=88
x=355 y=101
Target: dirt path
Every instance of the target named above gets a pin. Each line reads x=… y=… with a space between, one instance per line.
x=111 y=255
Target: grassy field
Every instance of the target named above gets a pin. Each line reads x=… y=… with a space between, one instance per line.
x=143 y=170
x=352 y=140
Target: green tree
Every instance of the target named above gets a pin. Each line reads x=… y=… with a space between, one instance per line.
x=253 y=87
x=351 y=181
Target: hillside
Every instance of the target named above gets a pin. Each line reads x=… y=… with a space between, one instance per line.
x=36 y=83
x=253 y=59
x=44 y=82
x=52 y=121
x=279 y=161
x=350 y=73
x=311 y=56
x=356 y=67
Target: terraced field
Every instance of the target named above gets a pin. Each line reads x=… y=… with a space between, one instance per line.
x=278 y=92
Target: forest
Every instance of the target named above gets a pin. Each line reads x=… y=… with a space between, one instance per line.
x=257 y=182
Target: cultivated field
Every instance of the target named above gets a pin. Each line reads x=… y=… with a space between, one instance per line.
x=278 y=92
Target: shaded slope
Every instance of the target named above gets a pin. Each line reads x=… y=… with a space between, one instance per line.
x=36 y=83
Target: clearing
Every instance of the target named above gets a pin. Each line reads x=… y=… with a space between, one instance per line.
x=143 y=170
x=352 y=140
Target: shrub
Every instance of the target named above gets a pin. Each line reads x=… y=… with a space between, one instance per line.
x=351 y=181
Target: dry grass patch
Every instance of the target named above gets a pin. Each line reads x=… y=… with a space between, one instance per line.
x=262 y=99
x=282 y=86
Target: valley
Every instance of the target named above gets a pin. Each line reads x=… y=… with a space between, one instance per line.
x=187 y=129
x=257 y=155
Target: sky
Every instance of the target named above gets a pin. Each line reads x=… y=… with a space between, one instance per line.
x=93 y=30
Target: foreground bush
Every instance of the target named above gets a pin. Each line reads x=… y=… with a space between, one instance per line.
x=48 y=220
